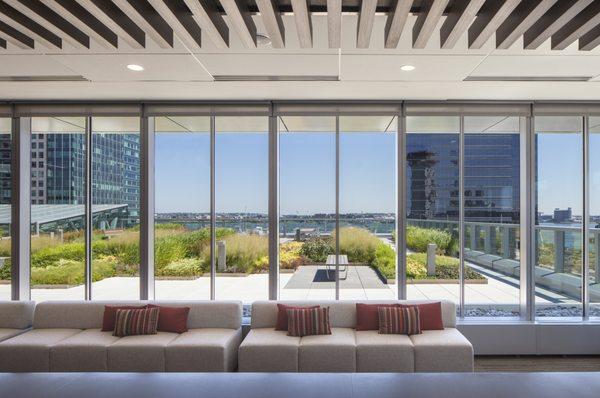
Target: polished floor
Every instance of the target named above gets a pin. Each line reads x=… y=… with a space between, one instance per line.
x=282 y=385
x=532 y=363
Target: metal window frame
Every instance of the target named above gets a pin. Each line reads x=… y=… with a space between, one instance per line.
x=461 y=216
x=147 y=191
x=88 y=209
x=585 y=233
x=21 y=208
x=401 y=198
x=273 y=215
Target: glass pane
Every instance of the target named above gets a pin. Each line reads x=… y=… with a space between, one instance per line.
x=368 y=207
x=558 y=266
x=594 y=222
x=182 y=208
x=241 y=205
x=432 y=173
x=306 y=207
x=5 y=208
x=491 y=205
x=116 y=205
x=57 y=208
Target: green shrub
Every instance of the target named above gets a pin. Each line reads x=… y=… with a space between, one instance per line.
x=183 y=267
x=418 y=238
x=317 y=249
x=445 y=268
x=290 y=255
x=50 y=256
x=358 y=244
x=385 y=261
x=69 y=272
x=246 y=253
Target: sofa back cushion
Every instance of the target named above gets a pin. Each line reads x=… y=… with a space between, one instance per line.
x=88 y=314
x=16 y=314
x=342 y=314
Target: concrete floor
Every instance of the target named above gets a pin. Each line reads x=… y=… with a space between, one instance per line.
x=499 y=290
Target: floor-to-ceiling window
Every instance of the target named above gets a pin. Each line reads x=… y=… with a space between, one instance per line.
x=307 y=206
x=492 y=215
x=241 y=206
x=367 y=207
x=5 y=207
x=594 y=216
x=115 y=207
x=57 y=208
x=182 y=207
x=432 y=212
x=559 y=210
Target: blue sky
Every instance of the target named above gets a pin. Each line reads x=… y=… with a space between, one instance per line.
x=307 y=172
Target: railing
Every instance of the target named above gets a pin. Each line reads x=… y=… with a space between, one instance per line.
x=502 y=239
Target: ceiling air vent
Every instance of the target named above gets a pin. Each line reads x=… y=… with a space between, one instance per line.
x=275 y=78
x=527 y=78
x=47 y=78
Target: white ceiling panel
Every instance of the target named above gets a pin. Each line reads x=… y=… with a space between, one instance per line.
x=427 y=67
x=271 y=64
x=157 y=67
x=32 y=65
x=539 y=65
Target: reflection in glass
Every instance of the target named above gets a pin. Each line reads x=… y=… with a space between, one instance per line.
x=432 y=189
x=367 y=201
x=57 y=208
x=492 y=215
x=182 y=208
x=307 y=211
x=558 y=267
x=594 y=221
x=241 y=205
x=115 y=206
x=5 y=207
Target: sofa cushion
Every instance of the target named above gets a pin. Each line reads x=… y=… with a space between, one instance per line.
x=430 y=315
x=308 y=321
x=383 y=352
x=88 y=314
x=442 y=351
x=399 y=320
x=367 y=315
x=82 y=352
x=6 y=333
x=204 y=350
x=144 y=353
x=172 y=319
x=30 y=351
x=134 y=322
x=109 y=317
x=268 y=350
x=335 y=352
x=16 y=314
x=342 y=314
x=282 y=316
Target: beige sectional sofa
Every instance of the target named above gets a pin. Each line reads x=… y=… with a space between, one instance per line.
x=15 y=318
x=346 y=350
x=66 y=337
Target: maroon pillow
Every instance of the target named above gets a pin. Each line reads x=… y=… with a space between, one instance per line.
x=282 y=318
x=110 y=315
x=172 y=319
x=367 y=315
x=430 y=315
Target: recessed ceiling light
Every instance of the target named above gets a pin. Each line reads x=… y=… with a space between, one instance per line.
x=136 y=68
x=407 y=68
x=263 y=40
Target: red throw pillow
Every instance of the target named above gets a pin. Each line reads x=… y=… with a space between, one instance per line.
x=430 y=315
x=142 y=321
x=172 y=319
x=282 y=318
x=399 y=320
x=367 y=317
x=110 y=312
x=308 y=321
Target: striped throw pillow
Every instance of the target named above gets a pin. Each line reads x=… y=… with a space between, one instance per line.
x=308 y=321
x=136 y=322
x=399 y=320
